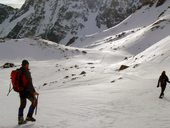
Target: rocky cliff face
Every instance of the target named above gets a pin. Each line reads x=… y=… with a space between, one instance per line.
x=5 y=12
x=64 y=21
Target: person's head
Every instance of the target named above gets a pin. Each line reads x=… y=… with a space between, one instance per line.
x=163 y=73
x=25 y=64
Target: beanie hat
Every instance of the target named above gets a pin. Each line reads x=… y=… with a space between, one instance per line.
x=25 y=62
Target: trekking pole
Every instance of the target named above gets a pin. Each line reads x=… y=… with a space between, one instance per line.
x=36 y=106
x=10 y=89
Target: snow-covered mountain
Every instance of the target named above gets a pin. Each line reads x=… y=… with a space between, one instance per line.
x=5 y=12
x=148 y=19
x=84 y=87
x=66 y=21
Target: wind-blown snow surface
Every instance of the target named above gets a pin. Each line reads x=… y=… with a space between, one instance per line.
x=101 y=96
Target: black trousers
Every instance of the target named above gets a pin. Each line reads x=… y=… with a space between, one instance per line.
x=163 y=87
x=23 y=101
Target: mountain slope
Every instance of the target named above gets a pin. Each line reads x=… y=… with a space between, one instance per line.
x=140 y=20
x=36 y=49
x=66 y=21
x=5 y=12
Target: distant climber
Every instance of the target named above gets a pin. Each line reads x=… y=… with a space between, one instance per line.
x=163 y=79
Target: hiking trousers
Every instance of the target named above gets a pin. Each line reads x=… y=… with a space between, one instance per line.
x=163 y=87
x=23 y=101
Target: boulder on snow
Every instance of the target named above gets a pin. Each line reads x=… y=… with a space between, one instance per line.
x=90 y=63
x=76 y=66
x=44 y=84
x=84 y=52
x=71 y=41
x=160 y=2
x=83 y=73
x=113 y=81
x=2 y=40
x=66 y=77
x=123 y=67
x=74 y=78
x=136 y=65
x=8 y=65
x=120 y=35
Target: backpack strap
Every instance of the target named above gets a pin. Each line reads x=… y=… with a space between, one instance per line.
x=21 y=78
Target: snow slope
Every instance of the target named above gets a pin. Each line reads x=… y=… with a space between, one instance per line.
x=91 y=100
x=35 y=49
x=140 y=20
x=83 y=88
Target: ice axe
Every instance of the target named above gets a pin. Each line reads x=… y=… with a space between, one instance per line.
x=10 y=89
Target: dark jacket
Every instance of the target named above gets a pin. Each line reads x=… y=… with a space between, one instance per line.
x=29 y=88
x=163 y=79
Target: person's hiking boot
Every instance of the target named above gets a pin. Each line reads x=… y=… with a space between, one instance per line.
x=30 y=119
x=21 y=121
x=160 y=97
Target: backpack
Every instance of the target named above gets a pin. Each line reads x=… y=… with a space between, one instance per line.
x=18 y=80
